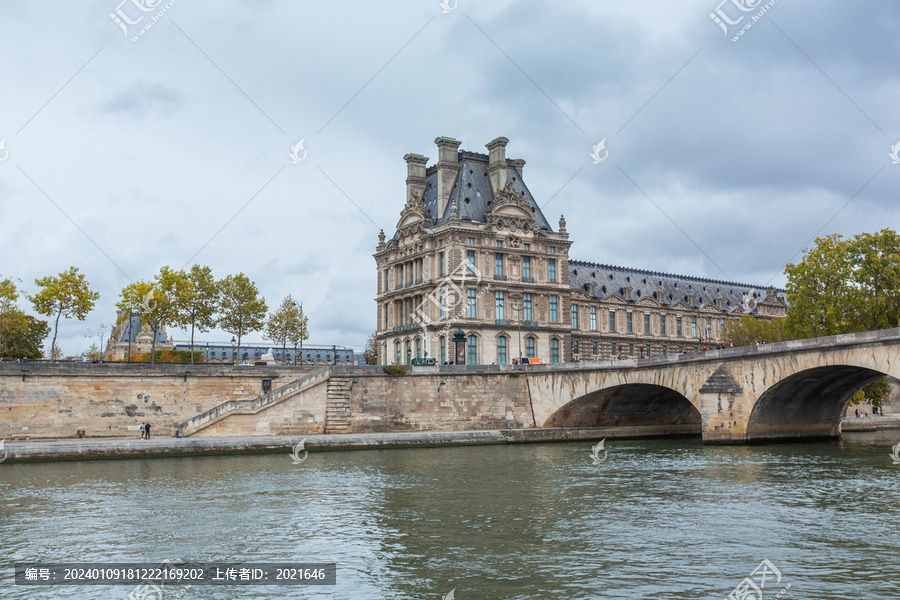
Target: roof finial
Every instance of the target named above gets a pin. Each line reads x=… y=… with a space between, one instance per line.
x=454 y=211
x=562 y=223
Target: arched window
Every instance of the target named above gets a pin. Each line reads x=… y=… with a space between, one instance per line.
x=418 y=348
x=472 y=358
x=501 y=350
x=397 y=349
x=408 y=351
x=443 y=344
x=529 y=347
x=554 y=351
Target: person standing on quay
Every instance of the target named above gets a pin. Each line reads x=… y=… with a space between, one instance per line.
x=147 y=430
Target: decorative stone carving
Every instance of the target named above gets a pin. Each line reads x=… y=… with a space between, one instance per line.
x=510 y=210
x=414 y=217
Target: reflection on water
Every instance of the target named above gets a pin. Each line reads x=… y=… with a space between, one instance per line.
x=659 y=519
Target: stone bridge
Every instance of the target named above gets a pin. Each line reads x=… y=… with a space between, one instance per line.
x=789 y=390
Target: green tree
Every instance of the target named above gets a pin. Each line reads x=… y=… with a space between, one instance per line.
x=875 y=393
x=9 y=294
x=287 y=325
x=749 y=330
x=820 y=290
x=370 y=354
x=65 y=295
x=200 y=302
x=241 y=309
x=21 y=335
x=876 y=277
x=94 y=353
x=160 y=302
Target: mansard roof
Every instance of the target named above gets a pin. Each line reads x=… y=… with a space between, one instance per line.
x=472 y=193
x=666 y=288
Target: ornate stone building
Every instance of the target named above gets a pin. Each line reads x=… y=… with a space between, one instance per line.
x=129 y=335
x=473 y=251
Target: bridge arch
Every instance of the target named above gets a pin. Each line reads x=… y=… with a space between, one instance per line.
x=808 y=403
x=641 y=404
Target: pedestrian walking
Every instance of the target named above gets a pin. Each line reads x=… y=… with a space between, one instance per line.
x=617 y=420
x=147 y=430
x=142 y=426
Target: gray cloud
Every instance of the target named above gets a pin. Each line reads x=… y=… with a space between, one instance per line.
x=750 y=149
x=139 y=99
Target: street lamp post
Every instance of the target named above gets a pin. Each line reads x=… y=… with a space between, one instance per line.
x=232 y=350
x=130 y=321
x=519 y=328
x=295 y=355
x=812 y=318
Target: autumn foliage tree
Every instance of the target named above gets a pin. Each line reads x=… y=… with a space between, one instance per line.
x=241 y=309
x=65 y=295
x=198 y=307
x=160 y=302
x=287 y=325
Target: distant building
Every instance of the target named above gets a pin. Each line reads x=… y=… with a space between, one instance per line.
x=224 y=352
x=473 y=251
x=128 y=336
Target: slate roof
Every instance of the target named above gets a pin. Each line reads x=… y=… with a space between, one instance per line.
x=665 y=288
x=472 y=191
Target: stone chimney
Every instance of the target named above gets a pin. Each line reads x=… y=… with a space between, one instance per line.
x=497 y=163
x=415 y=175
x=447 y=169
x=520 y=166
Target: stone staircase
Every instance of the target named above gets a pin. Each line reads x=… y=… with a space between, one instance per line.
x=256 y=405
x=337 y=408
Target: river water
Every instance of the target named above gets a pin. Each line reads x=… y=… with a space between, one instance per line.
x=658 y=520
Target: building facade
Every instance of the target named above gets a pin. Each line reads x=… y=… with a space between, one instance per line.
x=474 y=252
x=225 y=352
x=129 y=336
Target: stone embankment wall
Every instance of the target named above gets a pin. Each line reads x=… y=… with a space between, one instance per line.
x=113 y=399
x=439 y=402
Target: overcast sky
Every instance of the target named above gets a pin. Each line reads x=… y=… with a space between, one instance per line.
x=725 y=157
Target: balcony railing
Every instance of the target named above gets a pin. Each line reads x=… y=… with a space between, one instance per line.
x=503 y=322
x=500 y=277
x=528 y=279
